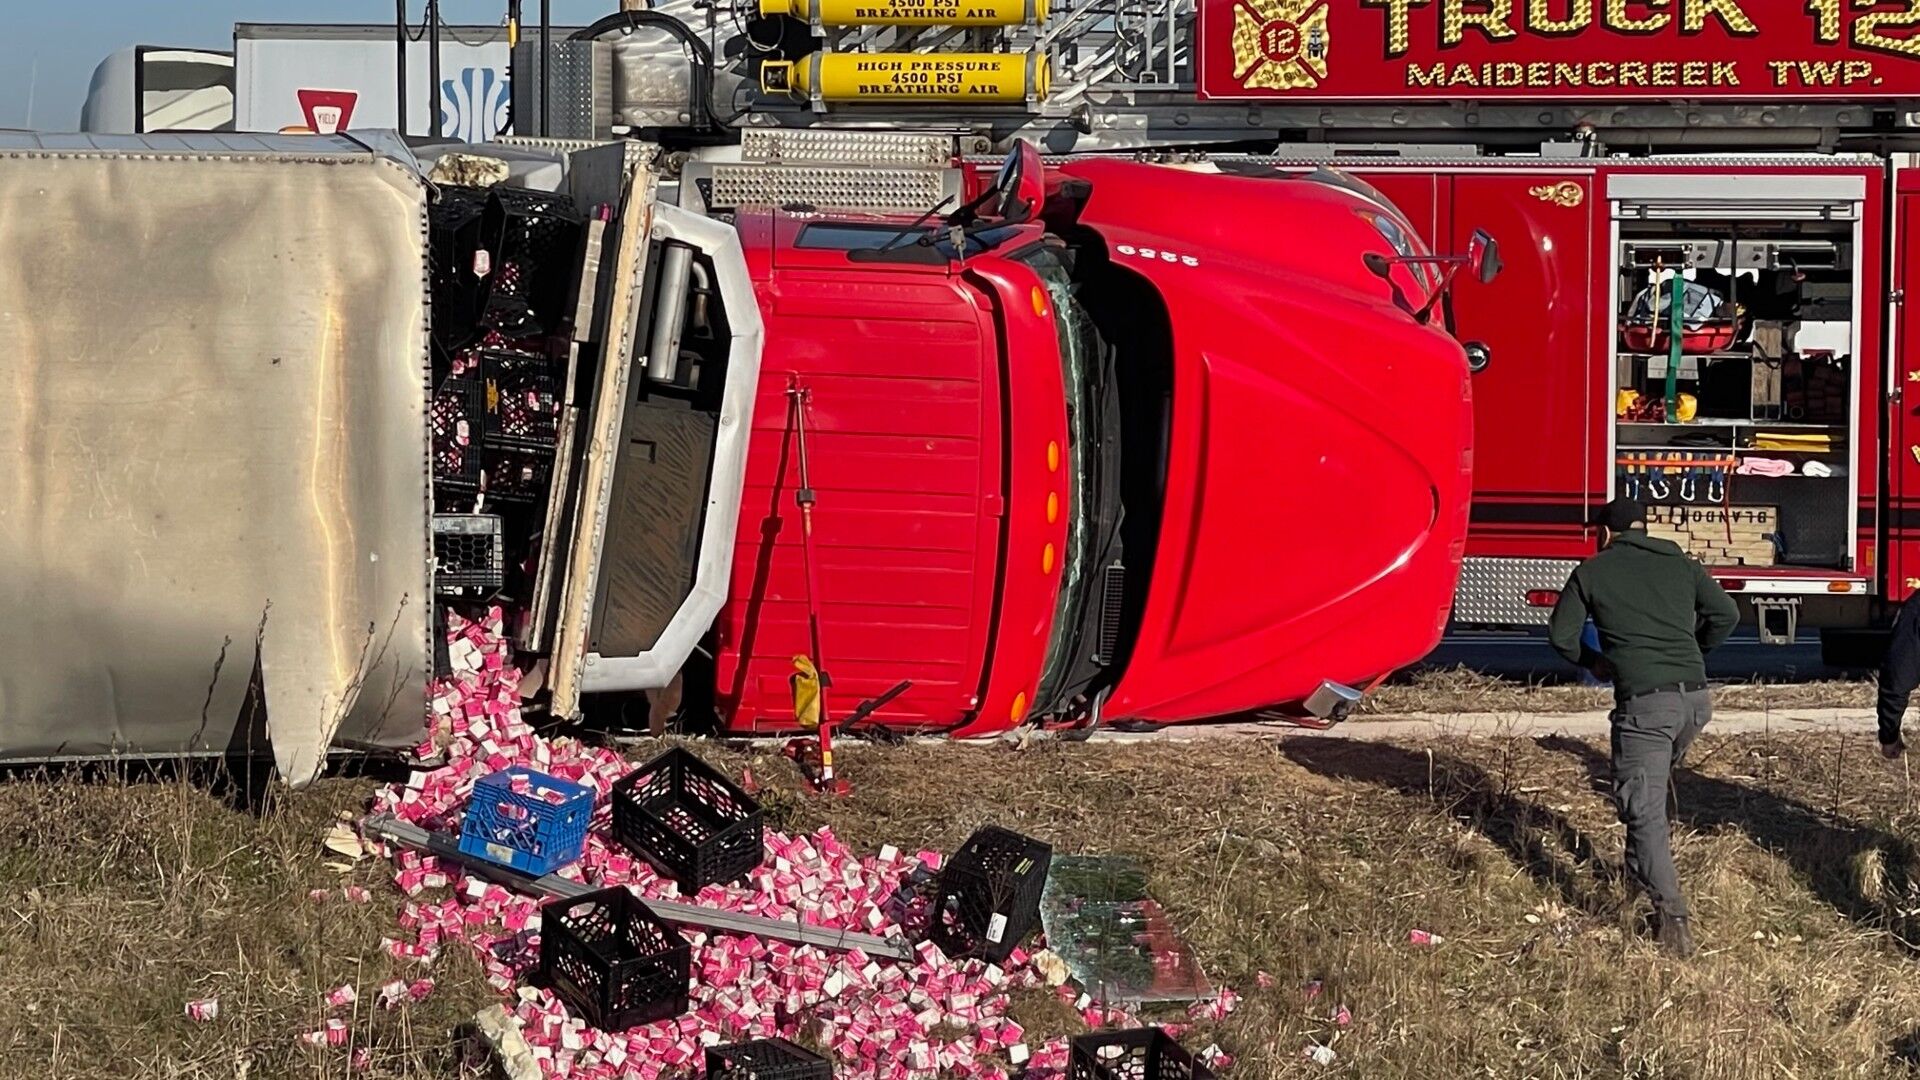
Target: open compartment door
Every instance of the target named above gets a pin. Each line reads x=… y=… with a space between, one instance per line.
x=665 y=453
x=1899 y=517
x=1739 y=357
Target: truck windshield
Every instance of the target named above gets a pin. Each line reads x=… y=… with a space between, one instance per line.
x=1080 y=377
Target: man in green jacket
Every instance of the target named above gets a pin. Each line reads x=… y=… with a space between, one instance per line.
x=1658 y=614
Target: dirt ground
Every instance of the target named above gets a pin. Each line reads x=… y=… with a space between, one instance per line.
x=1463 y=691
x=121 y=897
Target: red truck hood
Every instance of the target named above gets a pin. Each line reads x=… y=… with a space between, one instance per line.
x=1319 y=468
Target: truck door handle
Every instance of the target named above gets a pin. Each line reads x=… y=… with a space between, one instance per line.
x=1478 y=356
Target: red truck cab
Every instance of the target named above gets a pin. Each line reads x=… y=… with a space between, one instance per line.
x=1125 y=459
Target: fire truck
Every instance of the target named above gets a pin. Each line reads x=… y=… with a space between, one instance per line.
x=1707 y=309
x=1745 y=164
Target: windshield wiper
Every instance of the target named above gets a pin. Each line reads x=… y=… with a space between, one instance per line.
x=918 y=223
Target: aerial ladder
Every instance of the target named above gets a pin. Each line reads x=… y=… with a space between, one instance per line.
x=1073 y=77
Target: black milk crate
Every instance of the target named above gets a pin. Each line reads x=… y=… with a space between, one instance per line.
x=534 y=238
x=527 y=414
x=766 y=1059
x=612 y=960
x=469 y=554
x=513 y=359
x=987 y=898
x=457 y=416
x=680 y=814
x=1133 y=1054
x=510 y=304
x=515 y=475
x=523 y=400
x=453 y=232
x=524 y=225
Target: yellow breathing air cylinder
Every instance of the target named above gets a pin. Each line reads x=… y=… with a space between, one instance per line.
x=910 y=12
x=949 y=78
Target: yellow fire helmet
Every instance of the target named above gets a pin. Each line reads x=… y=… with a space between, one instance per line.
x=1624 y=402
x=1688 y=408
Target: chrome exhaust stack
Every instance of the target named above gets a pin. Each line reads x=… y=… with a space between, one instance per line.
x=1332 y=702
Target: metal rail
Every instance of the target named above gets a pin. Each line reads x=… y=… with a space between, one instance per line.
x=442 y=846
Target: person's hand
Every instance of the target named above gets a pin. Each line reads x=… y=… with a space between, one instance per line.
x=1893 y=750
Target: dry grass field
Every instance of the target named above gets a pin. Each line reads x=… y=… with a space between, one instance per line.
x=122 y=896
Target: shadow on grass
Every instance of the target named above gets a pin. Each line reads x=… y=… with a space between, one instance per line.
x=1906 y=1049
x=1543 y=842
x=246 y=784
x=1866 y=874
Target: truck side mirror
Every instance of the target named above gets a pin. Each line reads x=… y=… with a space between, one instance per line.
x=1483 y=256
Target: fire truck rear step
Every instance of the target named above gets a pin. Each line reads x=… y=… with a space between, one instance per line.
x=1777 y=619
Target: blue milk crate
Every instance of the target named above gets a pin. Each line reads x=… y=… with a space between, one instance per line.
x=526 y=831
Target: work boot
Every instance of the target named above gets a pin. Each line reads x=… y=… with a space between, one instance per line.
x=1676 y=937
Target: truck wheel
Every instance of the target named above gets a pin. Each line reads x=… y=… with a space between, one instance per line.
x=1853 y=650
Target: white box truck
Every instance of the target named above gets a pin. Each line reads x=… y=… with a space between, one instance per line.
x=325 y=78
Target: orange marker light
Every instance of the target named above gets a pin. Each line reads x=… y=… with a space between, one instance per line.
x=1053 y=507
x=1039 y=301
x=1046 y=560
x=1019 y=710
x=1053 y=457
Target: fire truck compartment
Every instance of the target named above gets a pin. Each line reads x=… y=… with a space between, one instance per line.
x=1735 y=401
x=1776 y=368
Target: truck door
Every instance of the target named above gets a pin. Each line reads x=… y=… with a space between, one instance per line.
x=1538 y=394
x=1900 y=510
x=1534 y=403
x=901 y=431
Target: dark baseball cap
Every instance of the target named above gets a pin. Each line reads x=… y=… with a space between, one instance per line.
x=1621 y=515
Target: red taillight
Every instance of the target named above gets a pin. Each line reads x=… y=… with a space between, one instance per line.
x=1732 y=584
x=1542 y=597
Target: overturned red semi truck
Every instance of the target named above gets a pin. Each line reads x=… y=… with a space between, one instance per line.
x=1762 y=153
x=1066 y=450
x=1096 y=485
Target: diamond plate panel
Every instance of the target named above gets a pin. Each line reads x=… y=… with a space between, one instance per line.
x=787 y=146
x=582 y=86
x=826 y=187
x=1493 y=592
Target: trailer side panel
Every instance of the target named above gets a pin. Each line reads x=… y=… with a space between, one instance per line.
x=216 y=505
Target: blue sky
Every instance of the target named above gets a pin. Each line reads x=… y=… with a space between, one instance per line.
x=57 y=45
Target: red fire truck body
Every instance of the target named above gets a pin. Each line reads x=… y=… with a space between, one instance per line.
x=1552 y=443
x=1745 y=163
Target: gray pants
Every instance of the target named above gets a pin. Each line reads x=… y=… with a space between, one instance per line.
x=1651 y=734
